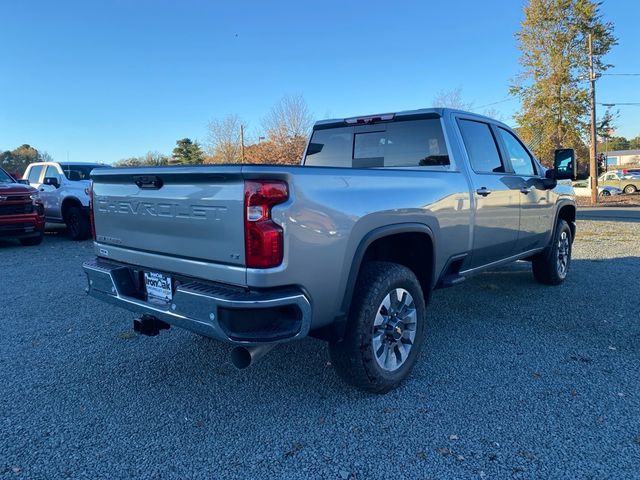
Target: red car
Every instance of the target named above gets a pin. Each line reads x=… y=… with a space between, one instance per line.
x=21 y=211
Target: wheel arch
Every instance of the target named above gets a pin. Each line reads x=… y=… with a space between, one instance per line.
x=384 y=244
x=567 y=212
x=67 y=203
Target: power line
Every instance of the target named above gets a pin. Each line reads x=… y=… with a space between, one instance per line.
x=615 y=104
x=495 y=103
x=621 y=74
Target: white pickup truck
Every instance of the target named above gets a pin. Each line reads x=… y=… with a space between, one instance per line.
x=64 y=188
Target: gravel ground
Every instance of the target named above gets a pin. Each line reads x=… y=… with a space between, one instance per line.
x=517 y=381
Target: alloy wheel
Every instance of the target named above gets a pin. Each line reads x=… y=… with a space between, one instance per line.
x=563 y=254
x=394 y=329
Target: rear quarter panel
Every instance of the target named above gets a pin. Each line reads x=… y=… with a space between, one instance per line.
x=331 y=210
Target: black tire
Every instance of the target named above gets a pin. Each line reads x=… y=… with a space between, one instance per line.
x=630 y=189
x=605 y=193
x=354 y=358
x=32 y=241
x=548 y=266
x=77 y=223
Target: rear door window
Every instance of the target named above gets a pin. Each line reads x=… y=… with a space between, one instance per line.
x=481 y=147
x=409 y=143
x=34 y=174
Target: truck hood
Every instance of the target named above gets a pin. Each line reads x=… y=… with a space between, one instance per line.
x=15 y=189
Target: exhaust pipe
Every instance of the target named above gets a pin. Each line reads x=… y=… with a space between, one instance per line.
x=244 y=357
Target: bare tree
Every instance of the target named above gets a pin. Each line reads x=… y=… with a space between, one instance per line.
x=451 y=99
x=155 y=158
x=494 y=113
x=223 y=141
x=289 y=118
x=287 y=126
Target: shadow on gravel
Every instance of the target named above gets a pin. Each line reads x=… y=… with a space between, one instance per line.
x=507 y=298
x=517 y=380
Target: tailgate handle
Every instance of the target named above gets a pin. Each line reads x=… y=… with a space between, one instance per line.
x=148 y=181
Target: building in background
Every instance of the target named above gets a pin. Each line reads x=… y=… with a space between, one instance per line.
x=623 y=157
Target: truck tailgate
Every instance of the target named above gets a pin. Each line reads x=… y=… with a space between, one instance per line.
x=187 y=212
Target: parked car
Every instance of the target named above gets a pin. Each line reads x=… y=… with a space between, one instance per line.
x=64 y=190
x=582 y=189
x=21 y=211
x=346 y=247
x=616 y=179
x=631 y=171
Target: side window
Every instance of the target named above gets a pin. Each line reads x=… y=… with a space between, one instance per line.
x=415 y=143
x=34 y=173
x=520 y=159
x=481 y=147
x=51 y=171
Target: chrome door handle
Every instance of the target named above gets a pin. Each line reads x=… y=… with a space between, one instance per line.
x=483 y=191
x=525 y=190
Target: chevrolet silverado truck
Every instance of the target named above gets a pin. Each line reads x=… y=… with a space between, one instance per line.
x=21 y=211
x=64 y=189
x=346 y=247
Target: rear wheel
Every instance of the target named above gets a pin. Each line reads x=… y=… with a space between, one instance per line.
x=77 y=223
x=630 y=189
x=551 y=266
x=385 y=330
x=31 y=241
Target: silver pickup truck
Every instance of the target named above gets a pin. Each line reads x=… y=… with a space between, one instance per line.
x=346 y=247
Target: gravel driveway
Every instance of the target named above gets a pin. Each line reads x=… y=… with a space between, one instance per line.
x=517 y=381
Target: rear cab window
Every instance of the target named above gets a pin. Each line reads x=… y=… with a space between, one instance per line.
x=401 y=143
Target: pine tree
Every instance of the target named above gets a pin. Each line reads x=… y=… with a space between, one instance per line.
x=553 y=84
x=186 y=151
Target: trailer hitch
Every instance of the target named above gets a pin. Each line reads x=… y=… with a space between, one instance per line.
x=149 y=325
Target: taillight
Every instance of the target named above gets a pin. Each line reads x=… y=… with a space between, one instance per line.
x=91 y=219
x=263 y=238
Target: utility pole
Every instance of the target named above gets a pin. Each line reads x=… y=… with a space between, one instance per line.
x=242 y=142
x=593 y=165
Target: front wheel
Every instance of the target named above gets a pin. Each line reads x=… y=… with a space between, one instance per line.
x=605 y=193
x=550 y=267
x=385 y=330
x=77 y=223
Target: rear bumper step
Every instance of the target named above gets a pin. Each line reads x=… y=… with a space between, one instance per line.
x=230 y=314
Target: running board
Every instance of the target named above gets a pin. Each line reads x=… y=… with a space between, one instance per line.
x=451 y=272
x=451 y=280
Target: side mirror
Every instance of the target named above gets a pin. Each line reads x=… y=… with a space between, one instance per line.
x=24 y=181
x=549 y=181
x=564 y=164
x=53 y=181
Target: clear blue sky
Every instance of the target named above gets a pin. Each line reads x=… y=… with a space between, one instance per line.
x=100 y=81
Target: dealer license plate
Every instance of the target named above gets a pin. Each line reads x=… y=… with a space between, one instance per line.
x=158 y=287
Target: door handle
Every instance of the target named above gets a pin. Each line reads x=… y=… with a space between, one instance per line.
x=525 y=190
x=42 y=189
x=483 y=191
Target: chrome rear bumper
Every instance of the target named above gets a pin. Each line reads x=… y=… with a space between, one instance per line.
x=230 y=314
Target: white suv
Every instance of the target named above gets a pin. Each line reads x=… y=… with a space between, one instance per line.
x=63 y=189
